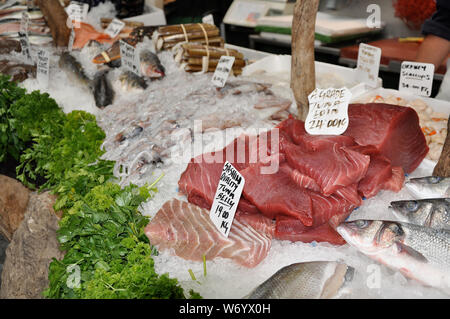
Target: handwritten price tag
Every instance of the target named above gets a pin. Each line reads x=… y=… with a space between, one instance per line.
x=114 y=28
x=24 y=23
x=416 y=78
x=328 y=111
x=130 y=58
x=223 y=70
x=25 y=44
x=43 y=67
x=77 y=11
x=227 y=198
x=368 y=64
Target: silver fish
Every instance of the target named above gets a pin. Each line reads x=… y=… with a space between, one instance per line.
x=128 y=81
x=308 y=280
x=429 y=187
x=433 y=212
x=151 y=67
x=17 y=16
x=418 y=252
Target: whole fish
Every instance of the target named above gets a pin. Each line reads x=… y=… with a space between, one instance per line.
x=128 y=81
x=308 y=280
x=418 y=252
x=17 y=16
x=102 y=89
x=151 y=67
x=9 y=45
x=73 y=68
x=429 y=187
x=433 y=212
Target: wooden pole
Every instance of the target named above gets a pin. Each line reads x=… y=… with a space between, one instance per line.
x=442 y=168
x=303 y=74
x=56 y=18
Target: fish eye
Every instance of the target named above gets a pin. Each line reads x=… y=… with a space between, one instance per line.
x=412 y=206
x=434 y=179
x=362 y=223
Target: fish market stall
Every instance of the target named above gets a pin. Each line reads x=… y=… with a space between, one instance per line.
x=127 y=131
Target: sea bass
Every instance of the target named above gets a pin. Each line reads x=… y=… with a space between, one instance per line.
x=433 y=212
x=429 y=187
x=151 y=67
x=308 y=280
x=418 y=252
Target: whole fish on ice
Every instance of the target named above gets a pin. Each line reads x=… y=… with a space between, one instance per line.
x=418 y=252
x=433 y=212
x=308 y=280
x=151 y=66
x=429 y=187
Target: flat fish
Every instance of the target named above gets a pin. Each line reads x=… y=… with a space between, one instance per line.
x=188 y=230
x=308 y=280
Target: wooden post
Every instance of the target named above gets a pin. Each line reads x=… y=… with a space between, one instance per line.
x=442 y=168
x=56 y=18
x=303 y=73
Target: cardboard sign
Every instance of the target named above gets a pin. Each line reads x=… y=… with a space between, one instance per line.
x=130 y=58
x=368 y=64
x=209 y=19
x=114 y=28
x=416 y=78
x=223 y=70
x=43 y=67
x=227 y=198
x=328 y=111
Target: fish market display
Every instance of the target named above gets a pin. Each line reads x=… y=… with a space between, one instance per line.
x=393 y=130
x=433 y=124
x=188 y=229
x=196 y=58
x=166 y=37
x=309 y=280
x=418 y=252
x=429 y=187
x=433 y=212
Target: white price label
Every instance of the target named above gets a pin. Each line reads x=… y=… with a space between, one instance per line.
x=24 y=23
x=368 y=64
x=209 y=19
x=416 y=78
x=114 y=28
x=223 y=70
x=77 y=11
x=130 y=58
x=30 y=4
x=25 y=44
x=71 y=40
x=227 y=198
x=328 y=111
x=43 y=67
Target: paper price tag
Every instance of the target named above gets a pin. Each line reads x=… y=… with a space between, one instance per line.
x=30 y=4
x=368 y=64
x=43 y=67
x=130 y=58
x=227 y=198
x=209 y=19
x=114 y=28
x=71 y=40
x=416 y=78
x=24 y=23
x=77 y=11
x=223 y=70
x=25 y=44
x=328 y=111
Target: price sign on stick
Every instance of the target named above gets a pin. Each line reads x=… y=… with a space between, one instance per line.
x=328 y=111
x=130 y=58
x=416 y=78
x=227 y=198
x=71 y=40
x=368 y=64
x=223 y=70
x=77 y=12
x=114 y=28
x=24 y=23
x=25 y=44
x=43 y=67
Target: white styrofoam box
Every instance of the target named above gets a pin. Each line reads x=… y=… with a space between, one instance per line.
x=281 y=64
x=151 y=16
x=249 y=54
x=437 y=105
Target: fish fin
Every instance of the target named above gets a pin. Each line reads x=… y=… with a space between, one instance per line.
x=411 y=252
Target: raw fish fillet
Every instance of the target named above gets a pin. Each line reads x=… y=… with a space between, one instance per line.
x=188 y=230
x=379 y=172
x=393 y=129
x=395 y=183
x=333 y=167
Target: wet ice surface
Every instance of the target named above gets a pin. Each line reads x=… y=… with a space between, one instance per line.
x=171 y=105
